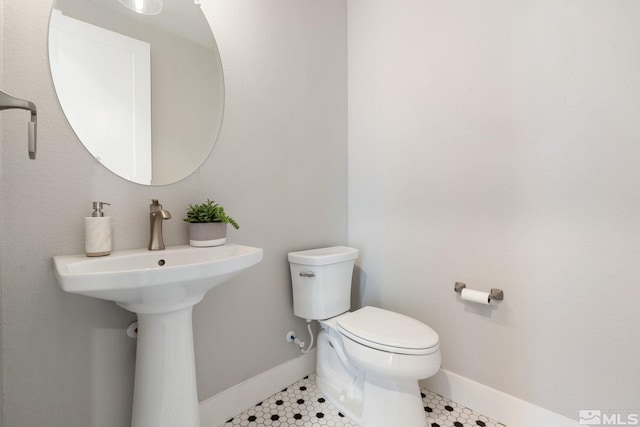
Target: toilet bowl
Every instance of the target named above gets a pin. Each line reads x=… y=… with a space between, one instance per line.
x=369 y=361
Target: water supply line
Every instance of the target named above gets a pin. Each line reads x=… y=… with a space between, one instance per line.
x=291 y=337
x=311 y=335
x=8 y=102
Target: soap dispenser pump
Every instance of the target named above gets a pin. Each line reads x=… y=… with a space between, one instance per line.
x=97 y=231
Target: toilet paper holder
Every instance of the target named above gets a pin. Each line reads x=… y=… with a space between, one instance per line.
x=494 y=294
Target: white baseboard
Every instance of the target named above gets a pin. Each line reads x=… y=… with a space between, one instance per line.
x=499 y=406
x=216 y=410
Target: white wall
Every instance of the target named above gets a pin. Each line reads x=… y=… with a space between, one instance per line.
x=497 y=143
x=279 y=167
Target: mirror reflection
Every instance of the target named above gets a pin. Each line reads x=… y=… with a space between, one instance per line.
x=143 y=93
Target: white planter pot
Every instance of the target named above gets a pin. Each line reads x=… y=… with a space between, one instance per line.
x=207 y=234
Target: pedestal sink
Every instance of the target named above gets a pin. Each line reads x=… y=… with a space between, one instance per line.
x=162 y=287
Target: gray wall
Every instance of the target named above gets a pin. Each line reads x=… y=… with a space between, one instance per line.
x=279 y=167
x=496 y=143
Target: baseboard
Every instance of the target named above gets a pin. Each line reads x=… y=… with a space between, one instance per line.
x=499 y=406
x=216 y=410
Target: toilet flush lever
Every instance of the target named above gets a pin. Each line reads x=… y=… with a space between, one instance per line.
x=308 y=274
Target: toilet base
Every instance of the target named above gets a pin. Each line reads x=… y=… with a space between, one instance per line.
x=392 y=403
x=388 y=403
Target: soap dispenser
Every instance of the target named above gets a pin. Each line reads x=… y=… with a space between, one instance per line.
x=97 y=232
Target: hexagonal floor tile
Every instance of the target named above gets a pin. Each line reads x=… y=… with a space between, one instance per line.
x=301 y=404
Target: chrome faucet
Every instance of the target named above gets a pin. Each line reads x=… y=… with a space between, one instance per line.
x=156 y=216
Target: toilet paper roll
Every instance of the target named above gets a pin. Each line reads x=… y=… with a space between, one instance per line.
x=476 y=296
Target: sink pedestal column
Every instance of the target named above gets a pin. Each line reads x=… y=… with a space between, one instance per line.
x=165 y=393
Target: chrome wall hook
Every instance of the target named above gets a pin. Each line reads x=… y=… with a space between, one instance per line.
x=9 y=102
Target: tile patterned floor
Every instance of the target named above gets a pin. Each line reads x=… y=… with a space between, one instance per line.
x=301 y=404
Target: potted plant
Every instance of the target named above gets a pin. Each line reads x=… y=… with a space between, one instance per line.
x=208 y=224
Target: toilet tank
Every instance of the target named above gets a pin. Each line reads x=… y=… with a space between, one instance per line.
x=321 y=280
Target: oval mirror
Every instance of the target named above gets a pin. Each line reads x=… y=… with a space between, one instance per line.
x=143 y=93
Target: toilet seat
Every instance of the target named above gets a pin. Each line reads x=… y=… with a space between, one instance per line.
x=388 y=331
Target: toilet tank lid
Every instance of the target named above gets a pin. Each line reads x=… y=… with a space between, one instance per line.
x=324 y=256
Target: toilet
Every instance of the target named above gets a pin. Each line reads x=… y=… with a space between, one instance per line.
x=369 y=361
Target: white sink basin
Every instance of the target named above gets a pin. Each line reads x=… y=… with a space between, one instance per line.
x=162 y=287
x=146 y=281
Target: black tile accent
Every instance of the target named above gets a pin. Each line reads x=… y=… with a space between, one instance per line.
x=480 y=423
x=448 y=408
x=320 y=415
x=275 y=417
x=458 y=424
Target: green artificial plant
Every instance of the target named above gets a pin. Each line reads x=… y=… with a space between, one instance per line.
x=209 y=211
